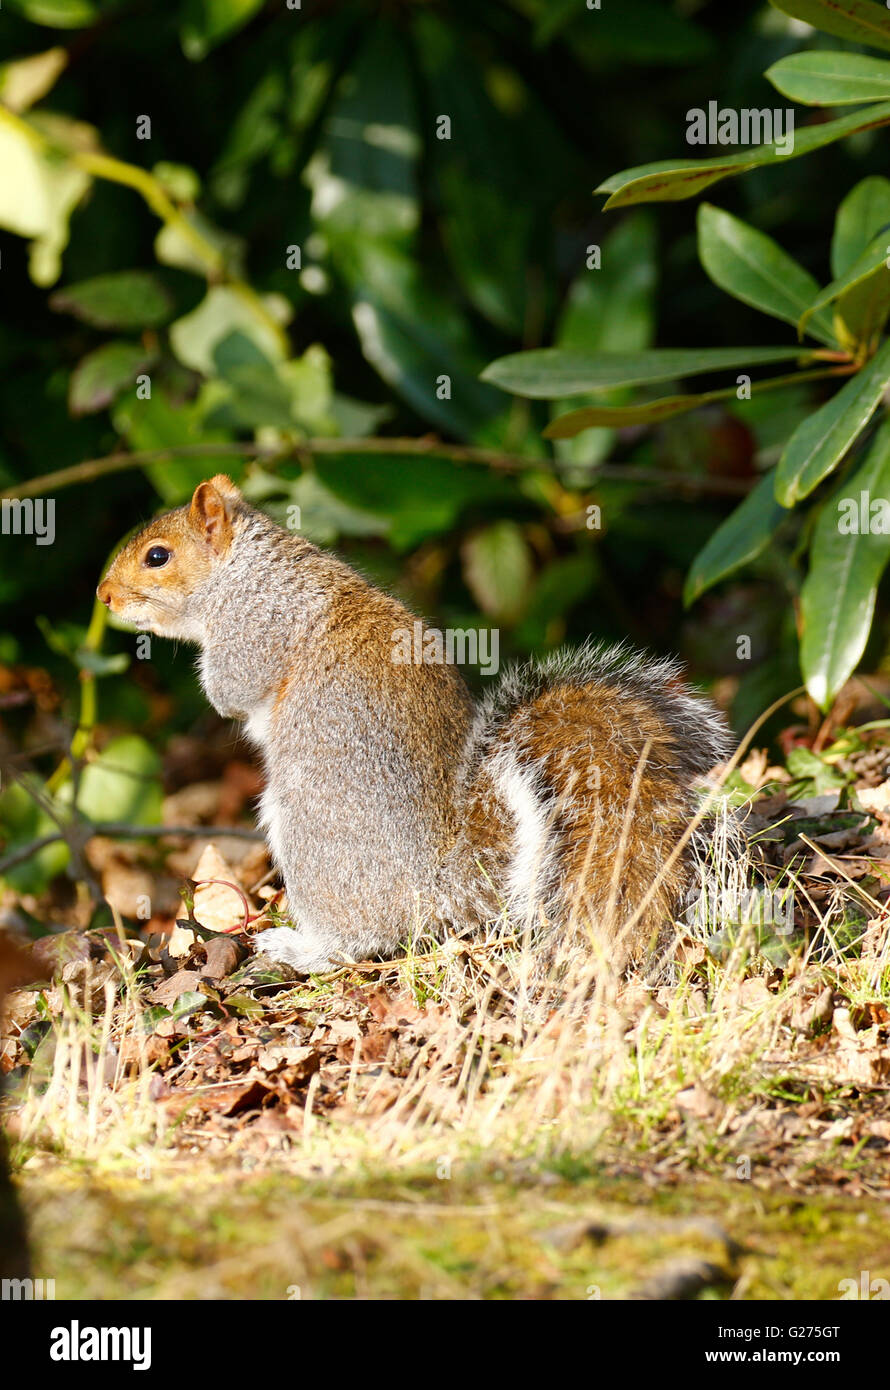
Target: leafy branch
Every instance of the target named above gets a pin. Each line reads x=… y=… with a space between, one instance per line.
x=103 y=166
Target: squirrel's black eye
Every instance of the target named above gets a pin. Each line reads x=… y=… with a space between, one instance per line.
x=157 y=556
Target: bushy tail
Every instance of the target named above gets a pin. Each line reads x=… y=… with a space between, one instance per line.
x=577 y=788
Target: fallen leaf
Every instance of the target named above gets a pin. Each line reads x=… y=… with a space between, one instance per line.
x=219 y=905
x=168 y=991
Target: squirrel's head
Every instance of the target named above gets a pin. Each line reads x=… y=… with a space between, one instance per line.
x=150 y=582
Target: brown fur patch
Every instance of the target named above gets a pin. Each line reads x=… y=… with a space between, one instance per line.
x=613 y=830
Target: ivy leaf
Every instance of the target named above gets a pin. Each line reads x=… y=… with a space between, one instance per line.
x=124 y=299
x=99 y=378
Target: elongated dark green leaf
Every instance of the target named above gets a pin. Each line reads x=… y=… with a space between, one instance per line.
x=859 y=218
x=831 y=79
x=819 y=444
x=651 y=412
x=863 y=21
x=871 y=263
x=751 y=266
x=550 y=373
x=669 y=180
x=850 y=549
x=741 y=538
x=618 y=416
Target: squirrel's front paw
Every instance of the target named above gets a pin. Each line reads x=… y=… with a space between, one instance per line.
x=286 y=945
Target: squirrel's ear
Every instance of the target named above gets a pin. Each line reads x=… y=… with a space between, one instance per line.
x=225 y=486
x=210 y=511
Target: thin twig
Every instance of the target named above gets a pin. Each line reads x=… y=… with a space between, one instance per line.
x=116 y=831
x=424 y=447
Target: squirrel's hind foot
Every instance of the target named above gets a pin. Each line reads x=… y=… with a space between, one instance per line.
x=287 y=946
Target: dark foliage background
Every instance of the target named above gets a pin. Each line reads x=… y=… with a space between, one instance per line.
x=420 y=256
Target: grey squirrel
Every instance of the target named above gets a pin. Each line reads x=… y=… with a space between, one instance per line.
x=394 y=801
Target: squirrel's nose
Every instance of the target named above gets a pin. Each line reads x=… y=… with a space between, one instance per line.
x=103 y=593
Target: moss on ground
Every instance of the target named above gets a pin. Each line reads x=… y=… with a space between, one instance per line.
x=229 y=1234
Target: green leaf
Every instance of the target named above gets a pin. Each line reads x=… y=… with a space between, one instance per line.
x=222 y=312
x=864 y=213
x=323 y=517
x=364 y=172
x=847 y=560
x=616 y=417
x=100 y=663
x=206 y=23
x=150 y=1017
x=27 y=80
x=123 y=784
x=670 y=180
x=99 y=378
x=173 y=247
x=550 y=373
x=866 y=312
x=861 y=215
x=245 y=1005
x=751 y=266
x=68 y=640
x=38 y=194
x=651 y=412
x=123 y=299
x=58 y=14
x=189 y=1002
x=421 y=497
x=428 y=357
x=23 y=820
x=831 y=79
x=822 y=440
x=860 y=20
x=471 y=222
x=160 y=422
x=498 y=569
x=740 y=539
